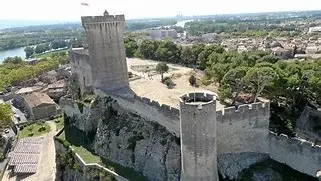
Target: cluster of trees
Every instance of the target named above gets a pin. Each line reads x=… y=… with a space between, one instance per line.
x=5 y=116
x=256 y=29
x=12 y=72
x=27 y=36
x=41 y=48
x=152 y=49
x=13 y=60
x=288 y=85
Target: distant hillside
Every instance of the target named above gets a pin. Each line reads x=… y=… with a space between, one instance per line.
x=22 y=23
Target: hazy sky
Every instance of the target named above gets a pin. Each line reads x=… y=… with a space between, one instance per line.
x=71 y=9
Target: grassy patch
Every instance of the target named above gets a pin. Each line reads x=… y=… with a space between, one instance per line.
x=34 y=130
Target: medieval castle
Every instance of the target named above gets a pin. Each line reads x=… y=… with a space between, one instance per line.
x=205 y=133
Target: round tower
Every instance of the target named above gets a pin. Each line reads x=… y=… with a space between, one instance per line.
x=198 y=137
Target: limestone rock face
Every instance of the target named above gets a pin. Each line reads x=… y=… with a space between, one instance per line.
x=84 y=116
x=231 y=164
x=131 y=141
x=71 y=175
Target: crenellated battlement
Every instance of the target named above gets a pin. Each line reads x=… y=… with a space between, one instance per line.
x=255 y=113
x=102 y=19
x=295 y=140
x=166 y=109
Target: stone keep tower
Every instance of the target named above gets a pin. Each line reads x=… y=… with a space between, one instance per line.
x=106 y=51
x=198 y=137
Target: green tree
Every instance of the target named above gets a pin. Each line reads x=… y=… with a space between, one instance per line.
x=161 y=68
x=131 y=46
x=59 y=44
x=168 y=51
x=224 y=92
x=13 y=60
x=147 y=49
x=29 y=51
x=217 y=71
x=187 y=56
x=269 y=59
x=258 y=79
x=203 y=56
x=234 y=79
x=5 y=116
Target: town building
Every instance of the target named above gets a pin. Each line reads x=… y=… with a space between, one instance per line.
x=162 y=34
x=40 y=106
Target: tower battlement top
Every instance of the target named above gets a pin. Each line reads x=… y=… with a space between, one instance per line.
x=198 y=98
x=102 y=19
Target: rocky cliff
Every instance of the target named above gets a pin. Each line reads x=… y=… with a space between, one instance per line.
x=129 y=140
x=126 y=138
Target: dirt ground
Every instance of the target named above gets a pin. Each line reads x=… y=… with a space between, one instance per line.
x=155 y=90
x=47 y=164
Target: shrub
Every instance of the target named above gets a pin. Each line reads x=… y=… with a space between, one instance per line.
x=166 y=78
x=30 y=128
x=31 y=134
x=169 y=83
x=130 y=74
x=206 y=81
x=42 y=128
x=192 y=80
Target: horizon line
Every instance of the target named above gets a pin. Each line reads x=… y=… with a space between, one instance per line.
x=163 y=17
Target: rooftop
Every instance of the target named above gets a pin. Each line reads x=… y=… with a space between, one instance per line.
x=25 y=156
x=26 y=90
x=36 y=98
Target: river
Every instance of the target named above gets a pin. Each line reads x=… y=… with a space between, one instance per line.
x=182 y=23
x=12 y=52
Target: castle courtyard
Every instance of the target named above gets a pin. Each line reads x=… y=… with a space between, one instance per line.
x=153 y=89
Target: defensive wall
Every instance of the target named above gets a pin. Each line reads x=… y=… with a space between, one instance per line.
x=244 y=129
x=81 y=66
x=163 y=114
x=235 y=127
x=239 y=130
x=301 y=155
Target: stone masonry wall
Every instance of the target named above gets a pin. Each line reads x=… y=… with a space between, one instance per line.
x=162 y=114
x=244 y=129
x=236 y=128
x=106 y=51
x=298 y=154
x=80 y=65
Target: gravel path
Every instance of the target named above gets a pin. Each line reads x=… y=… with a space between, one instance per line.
x=155 y=90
